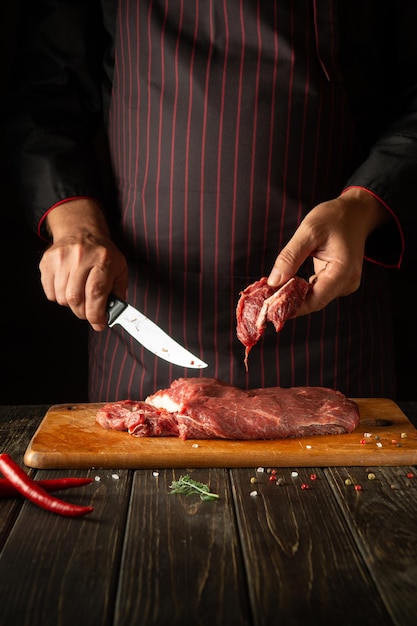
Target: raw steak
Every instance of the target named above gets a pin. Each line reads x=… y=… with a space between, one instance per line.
x=259 y=304
x=205 y=408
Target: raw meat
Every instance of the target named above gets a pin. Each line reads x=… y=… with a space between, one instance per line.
x=283 y=304
x=205 y=408
x=137 y=418
x=259 y=304
x=247 y=312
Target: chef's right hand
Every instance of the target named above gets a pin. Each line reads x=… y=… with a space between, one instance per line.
x=83 y=265
x=333 y=234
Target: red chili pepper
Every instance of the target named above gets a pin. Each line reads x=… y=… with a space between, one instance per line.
x=33 y=492
x=49 y=484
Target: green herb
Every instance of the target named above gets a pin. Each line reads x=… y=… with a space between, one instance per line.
x=187 y=486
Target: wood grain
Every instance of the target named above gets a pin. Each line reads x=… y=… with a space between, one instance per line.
x=68 y=436
x=17 y=426
x=57 y=570
x=181 y=562
x=299 y=553
x=329 y=554
x=383 y=518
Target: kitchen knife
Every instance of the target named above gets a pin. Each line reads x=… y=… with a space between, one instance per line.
x=149 y=334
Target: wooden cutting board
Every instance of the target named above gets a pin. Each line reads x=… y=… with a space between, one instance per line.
x=69 y=437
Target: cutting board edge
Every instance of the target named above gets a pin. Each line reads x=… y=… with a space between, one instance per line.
x=40 y=463
x=39 y=458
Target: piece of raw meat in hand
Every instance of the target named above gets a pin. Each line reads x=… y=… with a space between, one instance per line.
x=259 y=303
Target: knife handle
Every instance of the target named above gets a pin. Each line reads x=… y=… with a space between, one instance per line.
x=115 y=306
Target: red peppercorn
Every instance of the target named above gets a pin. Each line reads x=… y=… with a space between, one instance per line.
x=313 y=476
x=272 y=477
x=358 y=488
x=363 y=441
x=410 y=475
x=305 y=486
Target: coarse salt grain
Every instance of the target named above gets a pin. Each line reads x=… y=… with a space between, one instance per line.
x=253 y=493
x=97 y=478
x=367 y=434
x=260 y=469
x=379 y=444
x=155 y=473
x=308 y=447
x=195 y=445
x=403 y=435
x=294 y=474
x=115 y=476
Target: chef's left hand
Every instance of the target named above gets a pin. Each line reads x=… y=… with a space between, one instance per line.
x=334 y=234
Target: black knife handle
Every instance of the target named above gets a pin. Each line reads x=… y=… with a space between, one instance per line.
x=115 y=306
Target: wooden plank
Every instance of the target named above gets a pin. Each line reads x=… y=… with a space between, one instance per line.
x=57 y=570
x=17 y=426
x=181 y=561
x=302 y=564
x=383 y=516
x=69 y=437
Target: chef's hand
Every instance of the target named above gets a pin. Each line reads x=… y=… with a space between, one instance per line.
x=82 y=266
x=334 y=234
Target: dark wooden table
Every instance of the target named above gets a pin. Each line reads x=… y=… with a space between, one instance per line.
x=329 y=554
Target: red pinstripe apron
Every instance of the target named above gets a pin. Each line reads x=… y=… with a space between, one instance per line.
x=228 y=123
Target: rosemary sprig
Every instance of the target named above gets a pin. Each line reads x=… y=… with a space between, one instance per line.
x=187 y=486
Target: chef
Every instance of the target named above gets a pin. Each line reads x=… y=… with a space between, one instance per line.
x=245 y=139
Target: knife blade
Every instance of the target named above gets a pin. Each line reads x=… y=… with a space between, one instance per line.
x=149 y=334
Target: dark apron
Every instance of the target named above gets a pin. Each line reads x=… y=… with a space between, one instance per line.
x=228 y=123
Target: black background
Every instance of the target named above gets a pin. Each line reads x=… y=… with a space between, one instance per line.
x=43 y=347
